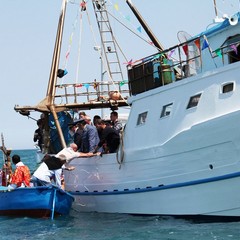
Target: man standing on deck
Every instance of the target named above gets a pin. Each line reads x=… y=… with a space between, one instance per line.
x=114 y=121
x=90 y=138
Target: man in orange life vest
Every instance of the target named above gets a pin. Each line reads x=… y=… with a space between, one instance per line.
x=21 y=176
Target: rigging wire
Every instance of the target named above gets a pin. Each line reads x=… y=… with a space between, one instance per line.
x=144 y=38
x=71 y=39
x=79 y=48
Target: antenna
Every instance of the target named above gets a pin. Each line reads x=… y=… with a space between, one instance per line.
x=217 y=19
x=215 y=8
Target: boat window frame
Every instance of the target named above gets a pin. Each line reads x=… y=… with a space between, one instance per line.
x=225 y=85
x=192 y=103
x=142 y=118
x=164 y=112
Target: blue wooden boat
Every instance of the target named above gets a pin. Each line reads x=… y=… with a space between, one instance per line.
x=43 y=202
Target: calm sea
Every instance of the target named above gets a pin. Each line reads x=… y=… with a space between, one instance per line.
x=94 y=226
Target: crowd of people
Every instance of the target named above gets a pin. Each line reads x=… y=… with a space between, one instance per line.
x=98 y=135
x=88 y=138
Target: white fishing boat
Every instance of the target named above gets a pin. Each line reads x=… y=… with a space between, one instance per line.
x=179 y=152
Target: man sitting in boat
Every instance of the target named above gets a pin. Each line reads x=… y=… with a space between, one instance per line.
x=21 y=176
x=51 y=166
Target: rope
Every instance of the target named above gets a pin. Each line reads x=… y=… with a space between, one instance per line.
x=79 y=48
x=121 y=149
x=71 y=39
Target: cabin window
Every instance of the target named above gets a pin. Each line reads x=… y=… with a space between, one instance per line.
x=231 y=47
x=166 y=110
x=193 y=102
x=228 y=87
x=142 y=117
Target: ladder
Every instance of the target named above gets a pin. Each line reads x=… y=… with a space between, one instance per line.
x=108 y=48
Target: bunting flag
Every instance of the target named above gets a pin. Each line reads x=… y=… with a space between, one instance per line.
x=218 y=52
x=83 y=6
x=171 y=53
x=157 y=56
x=151 y=43
x=234 y=47
x=127 y=18
x=65 y=72
x=67 y=54
x=129 y=63
x=78 y=85
x=95 y=85
x=70 y=39
x=86 y=85
x=185 y=49
x=197 y=43
x=122 y=83
x=116 y=6
x=205 y=43
x=61 y=73
x=139 y=29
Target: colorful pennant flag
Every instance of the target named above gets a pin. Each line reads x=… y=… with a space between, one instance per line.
x=171 y=53
x=86 y=85
x=197 y=43
x=127 y=18
x=122 y=83
x=185 y=49
x=95 y=85
x=129 y=63
x=218 y=52
x=234 y=47
x=116 y=6
x=205 y=43
x=67 y=54
x=139 y=29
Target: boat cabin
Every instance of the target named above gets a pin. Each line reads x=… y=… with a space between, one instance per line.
x=211 y=49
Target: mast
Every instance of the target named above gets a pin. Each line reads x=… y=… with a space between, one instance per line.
x=145 y=26
x=7 y=168
x=53 y=73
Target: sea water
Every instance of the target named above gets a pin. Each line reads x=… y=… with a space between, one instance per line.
x=96 y=226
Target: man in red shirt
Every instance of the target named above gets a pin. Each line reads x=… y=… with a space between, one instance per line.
x=21 y=176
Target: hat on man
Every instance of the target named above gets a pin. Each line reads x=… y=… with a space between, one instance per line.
x=80 y=120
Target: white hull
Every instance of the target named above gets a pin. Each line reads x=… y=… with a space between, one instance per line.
x=200 y=199
x=190 y=168
x=180 y=147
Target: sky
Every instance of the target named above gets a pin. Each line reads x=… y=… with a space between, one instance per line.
x=27 y=36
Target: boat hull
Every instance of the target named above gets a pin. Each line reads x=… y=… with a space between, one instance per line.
x=206 y=197
x=35 y=202
x=188 y=179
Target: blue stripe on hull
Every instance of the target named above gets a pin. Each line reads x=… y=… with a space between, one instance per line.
x=160 y=187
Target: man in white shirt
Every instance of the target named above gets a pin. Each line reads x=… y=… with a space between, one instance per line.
x=52 y=166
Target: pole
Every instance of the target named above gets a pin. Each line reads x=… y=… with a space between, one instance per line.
x=145 y=26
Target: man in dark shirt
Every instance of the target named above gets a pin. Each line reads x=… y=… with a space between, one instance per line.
x=38 y=134
x=109 y=136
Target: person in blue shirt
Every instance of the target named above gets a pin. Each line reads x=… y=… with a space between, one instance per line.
x=90 y=138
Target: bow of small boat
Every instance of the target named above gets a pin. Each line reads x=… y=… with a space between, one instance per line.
x=35 y=202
